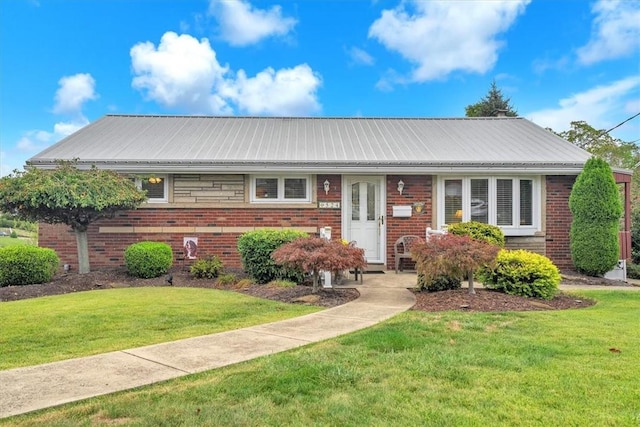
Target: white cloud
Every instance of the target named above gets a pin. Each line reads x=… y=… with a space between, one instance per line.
x=242 y=24
x=442 y=37
x=73 y=92
x=287 y=92
x=360 y=56
x=184 y=73
x=595 y=106
x=615 y=31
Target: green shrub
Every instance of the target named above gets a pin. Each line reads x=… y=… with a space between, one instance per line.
x=148 y=259
x=208 y=267
x=440 y=283
x=26 y=265
x=227 y=279
x=256 y=247
x=479 y=231
x=522 y=273
x=13 y=234
x=633 y=271
x=596 y=208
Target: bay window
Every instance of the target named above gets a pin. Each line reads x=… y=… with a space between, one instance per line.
x=511 y=203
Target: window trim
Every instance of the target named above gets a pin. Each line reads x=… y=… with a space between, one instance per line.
x=509 y=230
x=280 y=198
x=165 y=180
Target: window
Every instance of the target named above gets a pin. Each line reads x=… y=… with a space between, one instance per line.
x=512 y=203
x=280 y=189
x=156 y=188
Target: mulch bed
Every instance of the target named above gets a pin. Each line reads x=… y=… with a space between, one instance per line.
x=483 y=300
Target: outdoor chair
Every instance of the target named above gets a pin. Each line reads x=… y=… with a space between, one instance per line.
x=402 y=248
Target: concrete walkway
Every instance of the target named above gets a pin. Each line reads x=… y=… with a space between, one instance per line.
x=36 y=387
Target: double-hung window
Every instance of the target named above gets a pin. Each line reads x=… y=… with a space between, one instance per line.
x=280 y=189
x=511 y=203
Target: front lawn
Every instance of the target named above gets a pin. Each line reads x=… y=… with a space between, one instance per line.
x=60 y=327
x=569 y=367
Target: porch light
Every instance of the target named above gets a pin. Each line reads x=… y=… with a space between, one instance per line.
x=155 y=180
x=327 y=185
x=400 y=186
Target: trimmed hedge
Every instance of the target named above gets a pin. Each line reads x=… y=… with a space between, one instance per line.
x=27 y=265
x=596 y=208
x=148 y=259
x=256 y=247
x=523 y=273
x=208 y=267
x=479 y=231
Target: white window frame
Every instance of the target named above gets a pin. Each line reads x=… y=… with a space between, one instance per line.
x=165 y=181
x=512 y=230
x=280 y=198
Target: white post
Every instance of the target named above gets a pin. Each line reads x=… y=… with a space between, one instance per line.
x=325 y=233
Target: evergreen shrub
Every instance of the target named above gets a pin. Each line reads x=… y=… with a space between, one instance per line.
x=27 y=265
x=440 y=283
x=148 y=259
x=523 y=273
x=596 y=208
x=208 y=267
x=256 y=247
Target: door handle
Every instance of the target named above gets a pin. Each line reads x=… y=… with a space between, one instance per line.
x=381 y=220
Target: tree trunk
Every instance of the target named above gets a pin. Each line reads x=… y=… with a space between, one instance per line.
x=471 y=290
x=316 y=281
x=83 y=251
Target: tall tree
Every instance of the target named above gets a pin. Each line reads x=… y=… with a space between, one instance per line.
x=67 y=195
x=600 y=143
x=493 y=104
x=617 y=153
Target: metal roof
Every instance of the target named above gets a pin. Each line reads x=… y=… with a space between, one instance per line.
x=347 y=145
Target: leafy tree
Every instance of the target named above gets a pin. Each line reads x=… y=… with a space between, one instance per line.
x=452 y=256
x=67 y=195
x=596 y=208
x=617 y=153
x=316 y=254
x=493 y=103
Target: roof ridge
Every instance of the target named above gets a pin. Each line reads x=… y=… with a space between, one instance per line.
x=200 y=116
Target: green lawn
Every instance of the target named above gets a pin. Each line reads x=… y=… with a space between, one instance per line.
x=440 y=369
x=60 y=327
x=8 y=241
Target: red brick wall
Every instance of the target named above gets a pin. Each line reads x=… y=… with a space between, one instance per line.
x=559 y=220
x=417 y=188
x=107 y=249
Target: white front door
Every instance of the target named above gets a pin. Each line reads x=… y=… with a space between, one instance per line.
x=363 y=219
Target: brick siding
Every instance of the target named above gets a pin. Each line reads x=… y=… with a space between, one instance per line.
x=217 y=229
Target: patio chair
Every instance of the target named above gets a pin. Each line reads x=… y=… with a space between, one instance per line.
x=402 y=248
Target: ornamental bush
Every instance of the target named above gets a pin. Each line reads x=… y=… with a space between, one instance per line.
x=439 y=283
x=208 y=267
x=148 y=259
x=479 y=231
x=523 y=273
x=27 y=265
x=256 y=247
x=596 y=208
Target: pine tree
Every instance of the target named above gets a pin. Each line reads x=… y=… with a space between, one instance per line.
x=491 y=105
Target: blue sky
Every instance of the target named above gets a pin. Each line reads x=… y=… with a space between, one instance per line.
x=64 y=64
